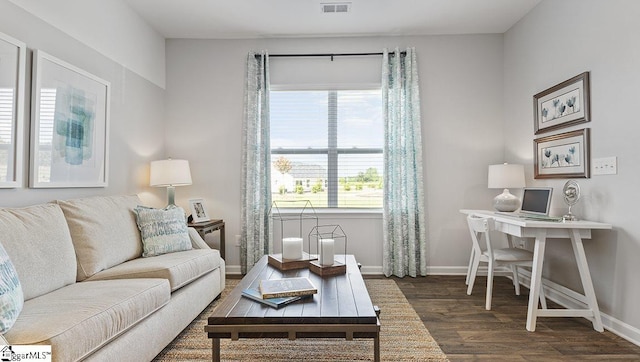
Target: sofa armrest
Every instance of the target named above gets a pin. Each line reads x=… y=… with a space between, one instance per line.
x=196 y=240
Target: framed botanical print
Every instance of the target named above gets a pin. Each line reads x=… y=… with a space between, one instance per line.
x=69 y=126
x=565 y=155
x=565 y=104
x=13 y=55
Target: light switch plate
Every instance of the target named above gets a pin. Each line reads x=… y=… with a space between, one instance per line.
x=605 y=166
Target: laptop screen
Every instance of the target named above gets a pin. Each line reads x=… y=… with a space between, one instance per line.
x=536 y=200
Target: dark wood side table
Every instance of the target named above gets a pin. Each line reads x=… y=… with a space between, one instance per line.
x=205 y=227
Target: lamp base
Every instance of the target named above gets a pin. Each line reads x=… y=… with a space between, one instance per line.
x=171 y=197
x=506 y=202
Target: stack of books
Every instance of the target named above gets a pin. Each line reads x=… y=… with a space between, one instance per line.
x=280 y=292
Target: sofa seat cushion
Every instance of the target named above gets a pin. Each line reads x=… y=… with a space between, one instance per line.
x=78 y=319
x=179 y=268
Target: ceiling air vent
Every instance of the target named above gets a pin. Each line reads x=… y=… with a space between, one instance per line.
x=336 y=7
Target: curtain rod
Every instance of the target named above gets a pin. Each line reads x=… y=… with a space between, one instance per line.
x=332 y=55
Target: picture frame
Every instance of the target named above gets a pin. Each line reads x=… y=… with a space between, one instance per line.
x=198 y=210
x=13 y=55
x=563 y=105
x=564 y=155
x=69 y=126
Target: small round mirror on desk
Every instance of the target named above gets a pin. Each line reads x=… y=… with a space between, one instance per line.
x=571 y=195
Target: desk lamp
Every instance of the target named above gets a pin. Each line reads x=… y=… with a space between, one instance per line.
x=506 y=176
x=170 y=173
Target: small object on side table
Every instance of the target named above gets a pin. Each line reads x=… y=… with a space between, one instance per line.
x=206 y=227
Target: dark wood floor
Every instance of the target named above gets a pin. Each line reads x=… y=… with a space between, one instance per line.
x=467 y=332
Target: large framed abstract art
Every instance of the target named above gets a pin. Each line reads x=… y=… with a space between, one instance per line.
x=12 y=92
x=69 y=126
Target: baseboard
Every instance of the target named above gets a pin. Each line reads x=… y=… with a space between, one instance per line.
x=371 y=270
x=459 y=270
x=233 y=270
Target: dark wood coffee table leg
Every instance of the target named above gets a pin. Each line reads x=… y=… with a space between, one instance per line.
x=376 y=348
x=215 y=349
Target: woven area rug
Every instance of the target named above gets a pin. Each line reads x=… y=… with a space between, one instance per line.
x=403 y=337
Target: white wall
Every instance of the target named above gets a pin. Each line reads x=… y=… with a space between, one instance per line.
x=136 y=123
x=554 y=42
x=110 y=27
x=461 y=90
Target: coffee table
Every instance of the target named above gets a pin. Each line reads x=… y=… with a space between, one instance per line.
x=341 y=309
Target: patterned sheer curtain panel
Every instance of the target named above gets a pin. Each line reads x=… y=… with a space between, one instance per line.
x=256 y=164
x=404 y=228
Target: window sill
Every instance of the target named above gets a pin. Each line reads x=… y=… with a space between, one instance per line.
x=342 y=213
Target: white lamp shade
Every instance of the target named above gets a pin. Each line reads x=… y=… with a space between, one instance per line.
x=170 y=173
x=506 y=176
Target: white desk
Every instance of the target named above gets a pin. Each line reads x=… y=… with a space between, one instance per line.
x=540 y=231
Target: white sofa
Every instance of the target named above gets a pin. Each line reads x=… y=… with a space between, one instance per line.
x=88 y=292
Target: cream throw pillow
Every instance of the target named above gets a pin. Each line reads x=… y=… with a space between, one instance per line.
x=162 y=230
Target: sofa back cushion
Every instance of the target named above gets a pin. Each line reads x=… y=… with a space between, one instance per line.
x=38 y=243
x=103 y=230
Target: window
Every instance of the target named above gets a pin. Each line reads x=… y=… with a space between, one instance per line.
x=326 y=147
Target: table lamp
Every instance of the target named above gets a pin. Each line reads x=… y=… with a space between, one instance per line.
x=170 y=173
x=506 y=176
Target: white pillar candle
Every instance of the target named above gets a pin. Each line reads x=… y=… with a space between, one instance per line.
x=292 y=248
x=326 y=251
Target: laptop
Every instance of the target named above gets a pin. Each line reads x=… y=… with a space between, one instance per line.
x=536 y=202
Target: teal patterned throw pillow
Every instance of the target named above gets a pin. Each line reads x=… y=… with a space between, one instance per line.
x=11 y=297
x=163 y=230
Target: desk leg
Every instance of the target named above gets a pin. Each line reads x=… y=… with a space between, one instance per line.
x=536 y=279
x=215 y=349
x=514 y=268
x=585 y=275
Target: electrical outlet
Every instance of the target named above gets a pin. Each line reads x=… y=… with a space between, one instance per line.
x=605 y=166
x=238 y=241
